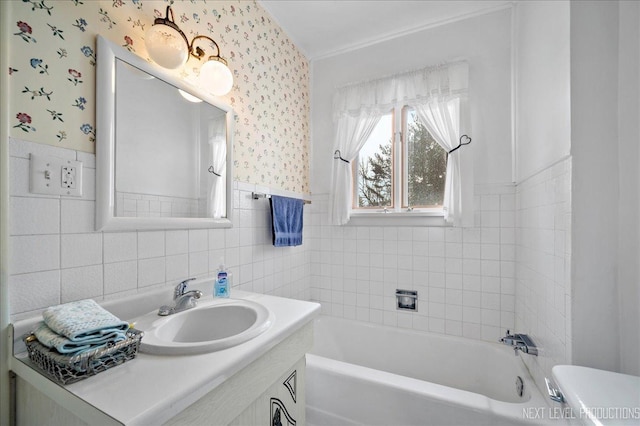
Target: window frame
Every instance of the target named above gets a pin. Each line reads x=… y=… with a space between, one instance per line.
x=399 y=169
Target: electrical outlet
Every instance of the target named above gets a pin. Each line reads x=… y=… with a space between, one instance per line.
x=55 y=176
x=68 y=178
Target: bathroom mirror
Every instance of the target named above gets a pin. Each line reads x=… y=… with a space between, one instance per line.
x=163 y=150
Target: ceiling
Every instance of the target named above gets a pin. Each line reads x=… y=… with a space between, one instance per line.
x=322 y=28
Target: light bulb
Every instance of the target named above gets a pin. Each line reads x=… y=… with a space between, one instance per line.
x=166 y=46
x=216 y=77
x=189 y=96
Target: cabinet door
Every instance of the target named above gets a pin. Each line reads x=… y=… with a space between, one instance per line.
x=282 y=404
x=283 y=400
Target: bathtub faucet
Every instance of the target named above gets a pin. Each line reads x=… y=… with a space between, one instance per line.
x=520 y=342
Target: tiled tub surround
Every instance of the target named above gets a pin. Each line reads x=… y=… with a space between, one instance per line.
x=543 y=266
x=465 y=277
x=57 y=257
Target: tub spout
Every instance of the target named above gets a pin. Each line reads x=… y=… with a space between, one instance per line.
x=520 y=342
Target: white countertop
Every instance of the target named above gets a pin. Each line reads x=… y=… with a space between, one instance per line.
x=151 y=389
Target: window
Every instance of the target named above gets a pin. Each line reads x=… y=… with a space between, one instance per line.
x=391 y=173
x=374 y=167
x=400 y=167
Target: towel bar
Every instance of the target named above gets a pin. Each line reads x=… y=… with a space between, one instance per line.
x=258 y=195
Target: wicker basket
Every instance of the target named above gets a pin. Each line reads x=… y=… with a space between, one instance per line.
x=66 y=369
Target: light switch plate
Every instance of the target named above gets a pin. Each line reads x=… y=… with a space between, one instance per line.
x=55 y=176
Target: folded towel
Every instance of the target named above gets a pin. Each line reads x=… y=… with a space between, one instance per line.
x=82 y=320
x=64 y=345
x=287 y=221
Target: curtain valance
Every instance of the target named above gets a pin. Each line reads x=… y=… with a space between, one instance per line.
x=380 y=95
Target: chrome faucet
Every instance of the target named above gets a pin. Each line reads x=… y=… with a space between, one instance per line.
x=183 y=299
x=520 y=342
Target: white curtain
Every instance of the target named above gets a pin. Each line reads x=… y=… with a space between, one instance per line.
x=217 y=200
x=438 y=94
x=352 y=133
x=441 y=117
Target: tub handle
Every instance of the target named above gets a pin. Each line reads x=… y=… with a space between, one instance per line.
x=554 y=393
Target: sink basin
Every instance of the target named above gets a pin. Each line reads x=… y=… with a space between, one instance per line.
x=211 y=327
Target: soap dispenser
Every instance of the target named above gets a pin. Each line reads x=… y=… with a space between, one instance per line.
x=221 y=286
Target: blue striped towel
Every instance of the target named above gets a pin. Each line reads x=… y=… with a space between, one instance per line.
x=82 y=320
x=64 y=345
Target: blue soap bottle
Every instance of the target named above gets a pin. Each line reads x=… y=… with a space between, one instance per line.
x=221 y=286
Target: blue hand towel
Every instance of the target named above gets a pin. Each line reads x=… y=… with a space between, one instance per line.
x=82 y=320
x=287 y=221
x=64 y=345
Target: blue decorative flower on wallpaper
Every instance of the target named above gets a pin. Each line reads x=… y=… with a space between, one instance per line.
x=88 y=52
x=80 y=103
x=81 y=24
x=53 y=44
x=38 y=65
x=87 y=129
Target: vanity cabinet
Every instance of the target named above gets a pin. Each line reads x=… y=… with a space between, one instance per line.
x=271 y=387
x=259 y=382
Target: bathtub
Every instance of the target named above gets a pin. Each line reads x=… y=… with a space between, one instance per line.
x=366 y=374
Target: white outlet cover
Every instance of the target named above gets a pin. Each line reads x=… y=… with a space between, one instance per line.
x=46 y=176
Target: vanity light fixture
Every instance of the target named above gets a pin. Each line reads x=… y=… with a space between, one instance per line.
x=169 y=47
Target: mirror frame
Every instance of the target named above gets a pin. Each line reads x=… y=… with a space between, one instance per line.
x=106 y=220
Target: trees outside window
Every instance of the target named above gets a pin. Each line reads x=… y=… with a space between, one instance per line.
x=400 y=166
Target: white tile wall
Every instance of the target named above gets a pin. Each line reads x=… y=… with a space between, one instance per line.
x=120 y=246
x=151 y=244
x=37 y=216
x=35 y=290
x=511 y=269
x=464 y=277
x=543 y=266
x=81 y=283
x=56 y=256
x=34 y=253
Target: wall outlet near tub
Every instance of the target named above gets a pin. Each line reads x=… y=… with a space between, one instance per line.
x=55 y=176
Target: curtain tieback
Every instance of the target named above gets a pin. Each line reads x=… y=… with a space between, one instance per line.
x=210 y=170
x=465 y=138
x=337 y=155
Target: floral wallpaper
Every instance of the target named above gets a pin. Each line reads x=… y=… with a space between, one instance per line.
x=53 y=57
